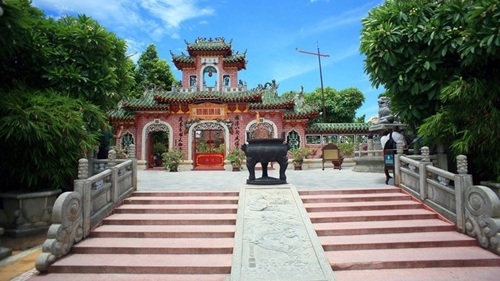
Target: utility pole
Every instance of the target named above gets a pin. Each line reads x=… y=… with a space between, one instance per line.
x=320 y=76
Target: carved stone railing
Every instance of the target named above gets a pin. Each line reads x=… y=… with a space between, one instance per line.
x=75 y=213
x=475 y=210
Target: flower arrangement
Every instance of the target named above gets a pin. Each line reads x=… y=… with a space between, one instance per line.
x=236 y=157
x=172 y=159
x=298 y=154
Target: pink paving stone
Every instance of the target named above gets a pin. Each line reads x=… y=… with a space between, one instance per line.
x=376 y=227
x=155 y=246
x=176 y=208
x=403 y=214
x=152 y=264
x=176 y=219
x=182 y=200
x=354 y=197
x=164 y=231
x=396 y=240
x=411 y=258
x=357 y=206
x=129 y=277
x=422 y=274
x=184 y=193
x=359 y=191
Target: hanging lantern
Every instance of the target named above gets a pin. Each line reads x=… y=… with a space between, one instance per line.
x=210 y=73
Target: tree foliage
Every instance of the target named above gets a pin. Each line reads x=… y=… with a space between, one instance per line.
x=58 y=78
x=152 y=72
x=340 y=106
x=440 y=62
x=42 y=138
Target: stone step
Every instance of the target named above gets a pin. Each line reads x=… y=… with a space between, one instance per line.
x=396 y=241
x=170 y=219
x=412 y=258
x=129 y=277
x=325 y=198
x=379 y=227
x=362 y=206
x=403 y=214
x=184 y=193
x=177 y=209
x=419 y=274
x=359 y=191
x=143 y=264
x=154 y=246
x=182 y=200
x=165 y=231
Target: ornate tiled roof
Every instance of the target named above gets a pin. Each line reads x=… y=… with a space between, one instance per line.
x=213 y=46
x=337 y=127
x=271 y=100
x=202 y=46
x=121 y=114
x=147 y=102
x=225 y=97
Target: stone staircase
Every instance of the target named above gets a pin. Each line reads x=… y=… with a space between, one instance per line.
x=367 y=234
x=383 y=234
x=175 y=236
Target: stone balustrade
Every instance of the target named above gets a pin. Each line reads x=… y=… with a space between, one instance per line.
x=475 y=209
x=75 y=213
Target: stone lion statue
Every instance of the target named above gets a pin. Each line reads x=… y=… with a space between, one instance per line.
x=385 y=115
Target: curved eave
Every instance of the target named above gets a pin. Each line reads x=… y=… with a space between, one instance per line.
x=195 y=52
x=121 y=115
x=147 y=108
x=303 y=115
x=287 y=105
x=207 y=96
x=322 y=128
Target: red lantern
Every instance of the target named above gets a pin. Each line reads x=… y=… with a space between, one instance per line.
x=210 y=73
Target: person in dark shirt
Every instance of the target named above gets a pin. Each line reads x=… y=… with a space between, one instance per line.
x=105 y=141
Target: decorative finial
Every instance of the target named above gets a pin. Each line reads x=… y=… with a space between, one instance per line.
x=462 y=164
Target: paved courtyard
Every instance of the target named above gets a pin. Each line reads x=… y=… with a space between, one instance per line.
x=160 y=180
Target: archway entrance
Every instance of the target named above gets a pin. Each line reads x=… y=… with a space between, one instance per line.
x=157 y=137
x=209 y=146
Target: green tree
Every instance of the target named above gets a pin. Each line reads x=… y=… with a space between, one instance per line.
x=42 y=138
x=152 y=72
x=58 y=78
x=340 y=106
x=88 y=61
x=440 y=62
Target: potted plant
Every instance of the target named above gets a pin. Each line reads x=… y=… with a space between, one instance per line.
x=172 y=159
x=298 y=155
x=312 y=152
x=236 y=157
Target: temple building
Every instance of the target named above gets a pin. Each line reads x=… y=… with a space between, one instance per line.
x=213 y=111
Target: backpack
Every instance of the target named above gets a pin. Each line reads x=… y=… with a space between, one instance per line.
x=390 y=144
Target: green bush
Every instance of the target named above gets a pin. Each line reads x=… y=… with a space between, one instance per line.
x=42 y=136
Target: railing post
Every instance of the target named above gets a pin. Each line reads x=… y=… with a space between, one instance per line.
x=442 y=158
x=111 y=159
x=370 y=147
x=462 y=182
x=422 y=172
x=132 y=156
x=83 y=187
x=397 y=162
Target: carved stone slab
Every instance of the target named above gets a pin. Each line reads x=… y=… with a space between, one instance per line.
x=275 y=239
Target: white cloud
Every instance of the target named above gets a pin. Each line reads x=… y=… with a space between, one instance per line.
x=165 y=17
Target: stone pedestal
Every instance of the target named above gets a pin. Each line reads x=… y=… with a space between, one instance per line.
x=4 y=252
x=275 y=239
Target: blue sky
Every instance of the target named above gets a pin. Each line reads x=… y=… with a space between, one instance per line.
x=270 y=31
